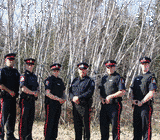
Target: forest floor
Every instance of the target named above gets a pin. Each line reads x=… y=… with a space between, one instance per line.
x=67 y=133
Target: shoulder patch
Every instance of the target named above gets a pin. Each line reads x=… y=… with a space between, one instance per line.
x=153 y=80
x=47 y=83
x=22 y=78
x=122 y=80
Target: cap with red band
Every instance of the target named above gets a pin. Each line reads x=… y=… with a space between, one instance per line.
x=82 y=65
x=55 y=66
x=110 y=63
x=145 y=60
x=10 y=56
x=30 y=61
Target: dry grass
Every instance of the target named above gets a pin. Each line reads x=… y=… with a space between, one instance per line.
x=67 y=133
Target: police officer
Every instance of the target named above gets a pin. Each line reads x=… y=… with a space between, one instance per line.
x=80 y=93
x=143 y=89
x=9 y=80
x=112 y=88
x=30 y=91
x=54 y=98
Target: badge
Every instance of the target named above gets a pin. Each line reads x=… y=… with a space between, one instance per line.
x=22 y=78
x=47 y=83
x=153 y=81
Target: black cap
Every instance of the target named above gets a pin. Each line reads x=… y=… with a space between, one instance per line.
x=145 y=60
x=30 y=61
x=82 y=65
x=110 y=63
x=55 y=66
x=10 y=56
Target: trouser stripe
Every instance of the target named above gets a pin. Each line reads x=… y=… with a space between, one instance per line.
x=20 y=127
x=149 y=123
x=45 y=128
x=118 y=126
x=1 y=114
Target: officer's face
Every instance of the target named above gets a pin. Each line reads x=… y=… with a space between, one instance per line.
x=9 y=62
x=29 y=67
x=111 y=69
x=82 y=72
x=55 y=72
x=145 y=67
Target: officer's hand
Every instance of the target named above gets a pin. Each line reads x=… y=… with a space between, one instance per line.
x=103 y=101
x=135 y=102
x=61 y=100
x=140 y=103
x=108 y=99
x=12 y=93
x=0 y=86
x=35 y=93
x=76 y=99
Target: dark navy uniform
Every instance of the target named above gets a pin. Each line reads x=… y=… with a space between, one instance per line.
x=9 y=77
x=53 y=107
x=27 y=103
x=84 y=89
x=110 y=113
x=141 y=85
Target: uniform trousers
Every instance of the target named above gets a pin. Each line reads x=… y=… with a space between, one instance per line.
x=52 y=113
x=8 y=116
x=110 y=113
x=142 y=122
x=81 y=117
x=26 y=119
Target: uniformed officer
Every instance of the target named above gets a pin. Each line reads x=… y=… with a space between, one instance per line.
x=112 y=88
x=30 y=91
x=80 y=93
x=143 y=89
x=9 y=80
x=54 y=98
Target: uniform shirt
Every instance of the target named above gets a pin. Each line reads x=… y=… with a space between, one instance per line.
x=55 y=85
x=83 y=88
x=29 y=80
x=142 y=84
x=110 y=84
x=9 y=77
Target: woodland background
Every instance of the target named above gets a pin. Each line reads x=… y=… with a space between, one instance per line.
x=71 y=31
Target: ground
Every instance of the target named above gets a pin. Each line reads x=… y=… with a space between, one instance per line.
x=68 y=133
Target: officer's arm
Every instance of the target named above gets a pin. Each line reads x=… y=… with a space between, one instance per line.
x=101 y=87
x=4 y=87
x=89 y=92
x=8 y=90
x=27 y=91
x=152 y=90
x=148 y=97
x=53 y=97
x=119 y=93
